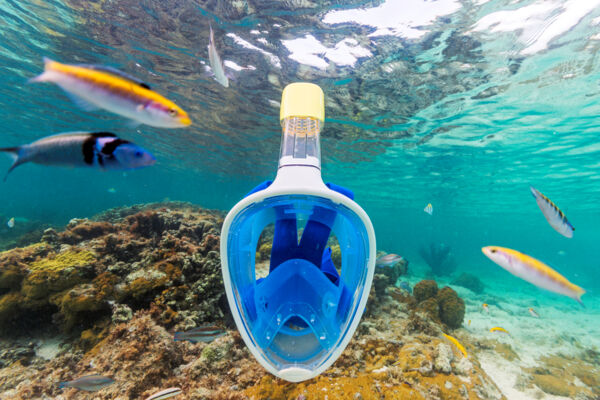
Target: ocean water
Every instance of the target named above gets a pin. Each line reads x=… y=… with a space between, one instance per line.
x=461 y=104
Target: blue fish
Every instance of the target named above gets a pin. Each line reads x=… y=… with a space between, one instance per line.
x=204 y=333
x=406 y=286
x=89 y=383
x=102 y=150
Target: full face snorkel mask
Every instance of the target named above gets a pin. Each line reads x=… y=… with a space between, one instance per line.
x=298 y=315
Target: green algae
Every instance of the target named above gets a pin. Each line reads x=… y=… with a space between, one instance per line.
x=67 y=259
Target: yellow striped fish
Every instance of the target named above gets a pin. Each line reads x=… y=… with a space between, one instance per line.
x=92 y=87
x=555 y=217
x=533 y=271
x=499 y=329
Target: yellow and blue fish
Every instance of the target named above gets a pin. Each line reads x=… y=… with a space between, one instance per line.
x=103 y=150
x=428 y=209
x=533 y=271
x=99 y=87
x=555 y=217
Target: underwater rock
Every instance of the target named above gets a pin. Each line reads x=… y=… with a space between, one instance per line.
x=566 y=376
x=470 y=282
x=443 y=357
x=424 y=290
x=50 y=237
x=380 y=284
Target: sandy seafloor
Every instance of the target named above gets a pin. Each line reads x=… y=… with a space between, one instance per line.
x=564 y=328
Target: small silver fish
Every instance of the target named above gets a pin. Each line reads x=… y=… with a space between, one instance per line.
x=216 y=64
x=11 y=222
x=533 y=313
x=90 y=383
x=555 y=217
x=165 y=394
x=81 y=149
x=204 y=333
x=389 y=260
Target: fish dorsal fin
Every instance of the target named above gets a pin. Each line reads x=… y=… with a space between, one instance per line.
x=117 y=72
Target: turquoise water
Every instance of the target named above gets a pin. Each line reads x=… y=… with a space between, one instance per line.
x=462 y=105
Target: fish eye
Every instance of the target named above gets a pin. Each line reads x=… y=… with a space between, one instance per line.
x=172 y=112
x=493 y=250
x=138 y=154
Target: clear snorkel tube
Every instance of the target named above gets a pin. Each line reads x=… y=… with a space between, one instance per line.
x=298 y=318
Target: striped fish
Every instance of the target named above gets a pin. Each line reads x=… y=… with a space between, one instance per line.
x=204 y=333
x=555 y=217
x=90 y=383
x=428 y=209
x=533 y=271
x=103 y=150
x=165 y=394
x=92 y=87
x=216 y=64
x=389 y=260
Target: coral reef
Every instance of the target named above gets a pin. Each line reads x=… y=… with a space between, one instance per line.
x=469 y=281
x=121 y=283
x=442 y=305
x=162 y=257
x=438 y=257
x=452 y=307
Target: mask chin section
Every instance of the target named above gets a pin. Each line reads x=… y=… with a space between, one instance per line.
x=303 y=329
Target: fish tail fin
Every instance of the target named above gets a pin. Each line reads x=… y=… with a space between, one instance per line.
x=533 y=191
x=46 y=75
x=13 y=152
x=580 y=293
x=63 y=385
x=177 y=337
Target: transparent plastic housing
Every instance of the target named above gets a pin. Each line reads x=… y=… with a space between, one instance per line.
x=300 y=142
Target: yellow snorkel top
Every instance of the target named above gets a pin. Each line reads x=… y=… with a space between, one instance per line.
x=302 y=99
x=302 y=115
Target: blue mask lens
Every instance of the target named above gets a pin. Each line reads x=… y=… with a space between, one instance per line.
x=300 y=311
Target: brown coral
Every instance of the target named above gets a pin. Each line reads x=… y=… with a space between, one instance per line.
x=424 y=290
x=452 y=307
